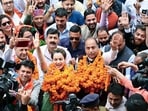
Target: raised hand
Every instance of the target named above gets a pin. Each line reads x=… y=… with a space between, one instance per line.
x=28 y=2
x=114 y=43
x=31 y=7
x=36 y=40
x=125 y=20
x=89 y=4
x=137 y=7
x=13 y=40
x=48 y=14
x=51 y=9
x=25 y=97
x=36 y=43
x=106 y=5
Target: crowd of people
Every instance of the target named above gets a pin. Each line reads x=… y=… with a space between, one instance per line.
x=96 y=49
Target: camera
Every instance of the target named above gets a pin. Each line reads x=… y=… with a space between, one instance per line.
x=140 y=79
x=70 y=104
x=143 y=64
x=7 y=82
x=145 y=12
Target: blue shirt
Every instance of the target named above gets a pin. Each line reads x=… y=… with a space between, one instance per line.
x=64 y=34
x=79 y=51
x=76 y=17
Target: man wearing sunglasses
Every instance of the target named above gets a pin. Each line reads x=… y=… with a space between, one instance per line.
x=74 y=43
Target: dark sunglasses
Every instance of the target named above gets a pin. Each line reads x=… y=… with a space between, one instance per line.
x=72 y=38
x=4 y=24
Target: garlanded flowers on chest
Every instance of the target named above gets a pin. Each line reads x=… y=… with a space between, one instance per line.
x=93 y=77
x=60 y=83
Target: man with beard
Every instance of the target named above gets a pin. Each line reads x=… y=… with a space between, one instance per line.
x=91 y=26
x=102 y=38
x=73 y=15
x=52 y=41
x=115 y=100
x=3 y=45
x=137 y=42
x=61 y=23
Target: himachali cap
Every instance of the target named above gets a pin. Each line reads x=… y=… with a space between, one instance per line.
x=90 y=100
x=22 y=42
x=38 y=12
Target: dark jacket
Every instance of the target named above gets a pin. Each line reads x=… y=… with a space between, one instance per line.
x=117 y=7
x=123 y=55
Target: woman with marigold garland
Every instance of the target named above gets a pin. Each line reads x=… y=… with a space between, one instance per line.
x=60 y=80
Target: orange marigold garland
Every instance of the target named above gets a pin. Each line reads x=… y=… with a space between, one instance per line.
x=60 y=83
x=93 y=77
x=35 y=74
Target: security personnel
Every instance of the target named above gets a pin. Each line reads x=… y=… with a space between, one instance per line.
x=90 y=102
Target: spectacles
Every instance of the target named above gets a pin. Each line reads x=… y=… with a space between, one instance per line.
x=73 y=38
x=9 y=2
x=5 y=23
